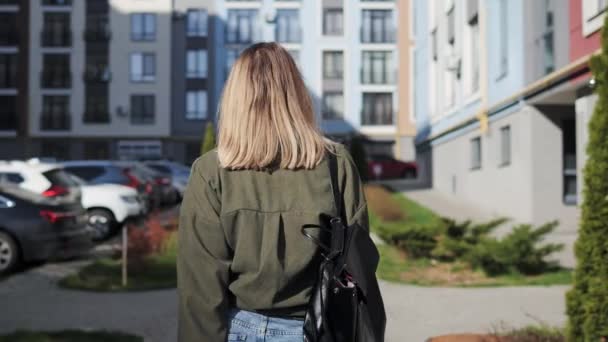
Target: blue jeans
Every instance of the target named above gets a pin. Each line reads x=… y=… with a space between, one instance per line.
x=253 y=327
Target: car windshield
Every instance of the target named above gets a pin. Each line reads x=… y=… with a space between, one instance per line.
x=77 y=179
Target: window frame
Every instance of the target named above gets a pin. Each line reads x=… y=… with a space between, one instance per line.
x=142 y=118
x=328 y=12
x=143 y=76
x=327 y=109
x=201 y=109
x=144 y=35
x=199 y=68
x=197 y=22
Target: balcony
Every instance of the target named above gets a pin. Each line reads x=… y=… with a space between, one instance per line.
x=9 y=120
x=97 y=35
x=56 y=38
x=56 y=80
x=55 y=122
x=9 y=37
x=97 y=75
x=386 y=36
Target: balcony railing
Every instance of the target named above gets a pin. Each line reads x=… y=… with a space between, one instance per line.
x=9 y=120
x=56 y=38
x=382 y=118
x=370 y=36
x=97 y=75
x=55 y=122
x=8 y=81
x=97 y=35
x=56 y=80
x=9 y=38
x=386 y=77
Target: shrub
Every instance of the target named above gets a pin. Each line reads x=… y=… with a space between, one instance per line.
x=518 y=252
x=416 y=241
x=357 y=151
x=460 y=238
x=587 y=302
x=209 y=139
x=145 y=241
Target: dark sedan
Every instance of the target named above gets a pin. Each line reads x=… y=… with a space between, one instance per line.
x=36 y=228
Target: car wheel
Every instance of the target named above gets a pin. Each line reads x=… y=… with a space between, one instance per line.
x=9 y=253
x=409 y=173
x=102 y=223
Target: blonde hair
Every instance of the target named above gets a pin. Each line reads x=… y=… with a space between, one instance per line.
x=266 y=114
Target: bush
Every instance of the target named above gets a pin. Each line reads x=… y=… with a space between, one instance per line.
x=209 y=139
x=518 y=252
x=146 y=241
x=587 y=302
x=416 y=241
x=460 y=238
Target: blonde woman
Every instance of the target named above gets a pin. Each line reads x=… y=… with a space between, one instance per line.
x=245 y=271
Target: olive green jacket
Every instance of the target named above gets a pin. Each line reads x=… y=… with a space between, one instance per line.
x=240 y=240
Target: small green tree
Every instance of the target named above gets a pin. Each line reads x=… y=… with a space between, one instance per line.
x=587 y=301
x=209 y=139
x=357 y=151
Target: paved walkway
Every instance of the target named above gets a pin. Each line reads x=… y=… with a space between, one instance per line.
x=32 y=300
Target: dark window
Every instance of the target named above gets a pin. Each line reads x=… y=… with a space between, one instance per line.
x=143 y=26
x=8 y=2
x=55 y=149
x=333 y=65
x=9 y=34
x=11 y=177
x=333 y=105
x=377 y=109
x=56 y=30
x=96 y=104
x=55 y=112
x=142 y=109
x=287 y=29
x=377 y=67
x=96 y=150
x=569 y=157
x=56 y=2
x=333 y=21
x=88 y=173
x=96 y=68
x=60 y=177
x=476 y=153
x=56 y=71
x=548 y=38
x=8 y=70
x=241 y=27
x=196 y=25
x=143 y=67
x=8 y=113
x=378 y=26
x=505 y=145
x=97 y=27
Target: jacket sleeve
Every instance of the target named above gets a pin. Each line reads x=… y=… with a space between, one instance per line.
x=203 y=263
x=355 y=204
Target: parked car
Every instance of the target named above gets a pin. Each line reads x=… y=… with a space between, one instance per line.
x=48 y=180
x=108 y=206
x=384 y=166
x=178 y=172
x=34 y=228
x=109 y=172
x=164 y=191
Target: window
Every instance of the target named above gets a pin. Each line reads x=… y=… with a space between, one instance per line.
x=287 y=29
x=55 y=113
x=548 y=36
x=593 y=15
x=8 y=70
x=378 y=26
x=333 y=65
x=143 y=67
x=8 y=113
x=56 y=29
x=377 y=109
x=241 y=26
x=196 y=105
x=9 y=33
x=451 y=26
x=476 y=153
x=333 y=106
x=96 y=105
x=56 y=2
x=143 y=109
x=88 y=173
x=570 y=176
x=504 y=36
x=333 y=21
x=474 y=51
x=96 y=68
x=196 y=64
x=377 y=67
x=97 y=27
x=196 y=23
x=56 y=70
x=505 y=146
x=143 y=26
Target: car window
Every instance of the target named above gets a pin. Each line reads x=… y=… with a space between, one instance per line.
x=160 y=168
x=12 y=177
x=60 y=177
x=88 y=173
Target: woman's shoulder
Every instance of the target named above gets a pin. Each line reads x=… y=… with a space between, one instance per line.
x=206 y=165
x=342 y=154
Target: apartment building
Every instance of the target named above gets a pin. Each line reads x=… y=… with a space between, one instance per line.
x=14 y=47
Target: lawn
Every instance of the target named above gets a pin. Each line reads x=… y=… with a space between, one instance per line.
x=155 y=272
x=69 y=336
x=392 y=213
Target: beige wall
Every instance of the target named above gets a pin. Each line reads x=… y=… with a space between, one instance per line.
x=406 y=129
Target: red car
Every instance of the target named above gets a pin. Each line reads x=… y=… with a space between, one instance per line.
x=385 y=166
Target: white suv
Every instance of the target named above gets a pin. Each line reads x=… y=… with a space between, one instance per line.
x=108 y=205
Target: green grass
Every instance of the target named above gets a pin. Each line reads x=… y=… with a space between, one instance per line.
x=105 y=275
x=69 y=336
